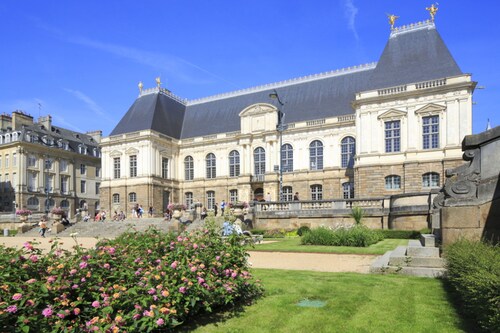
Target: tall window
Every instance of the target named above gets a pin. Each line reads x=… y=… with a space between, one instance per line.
x=116 y=167
x=98 y=171
x=287 y=193
x=164 y=167
x=65 y=204
x=210 y=164
x=83 y=186
x=348 y=190
x=348 y=149
x=64 y=184
x=49 y=182
x=210 y=199
x=392 y=182
x=31 y=160
x=63 y=166
x=188 y=168
x=33 y=201
x=234 y=163
x=233 y=195
x=188 y=198
x=392 y=136
x=14 y=159
x=83 y=169
x=133 y=165
x=316 y=192
x=97 y=188
x=430 y=179
x=287 y=158
x=316 y=155
x=6 y=160
x=132 y=197
x=32 y=181
x=259 y=157
x=430 y=132
x=116 y=198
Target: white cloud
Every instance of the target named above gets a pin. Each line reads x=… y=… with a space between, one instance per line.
x=90 y=103
x=350 y=12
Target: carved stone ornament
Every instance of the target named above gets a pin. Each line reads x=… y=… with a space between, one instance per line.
x=461 y=182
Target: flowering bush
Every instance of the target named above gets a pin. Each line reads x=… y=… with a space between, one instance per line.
x=134 y=284
x=58 y=211
x=23 y=212
x=238 y=204
x=176 y=206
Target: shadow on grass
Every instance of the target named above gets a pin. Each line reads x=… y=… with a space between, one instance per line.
x=467 y=323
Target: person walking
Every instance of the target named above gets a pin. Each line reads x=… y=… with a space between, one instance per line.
x=215 y=209
x=43 y=227
x=222 y=207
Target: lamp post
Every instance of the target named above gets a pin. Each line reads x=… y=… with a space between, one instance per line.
x=47 y=187
x=280 y=127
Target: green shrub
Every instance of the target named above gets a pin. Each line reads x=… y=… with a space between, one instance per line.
x=258 y=231
x=400 y=234
x=275 y=233
x=358 y=235
x=357 y=214
x=302 y=230
x=474 y=274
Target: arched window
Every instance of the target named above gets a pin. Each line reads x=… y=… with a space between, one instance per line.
x=65 y=204
x=392 y=182
x=316 y=155
x=188 y=198
x=316 y=192
x=348 y=149
x=210 y=199
x=33 y=202
x=348 y=190
x=287 y=193
x=430 y=179
x=97 y=205
x=132 y=197
x=210 y=164
x=188 y=168
x=50 y=203
x=233 y=195
x=116 y=198
x=234 y=163
x=259 y=157
x=287 y=158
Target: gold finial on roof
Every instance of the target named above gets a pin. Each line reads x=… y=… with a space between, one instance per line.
x=158 y=82
x=392 y=20
x=432 y=10
x=140 y=85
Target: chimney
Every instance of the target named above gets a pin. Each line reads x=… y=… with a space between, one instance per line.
x=5 y=121
x=46 y=121
x=96 y=135
x=19 y=118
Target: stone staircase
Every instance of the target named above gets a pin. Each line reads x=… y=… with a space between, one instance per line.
x=419 y=258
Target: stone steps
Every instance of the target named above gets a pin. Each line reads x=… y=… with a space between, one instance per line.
x=419 y=258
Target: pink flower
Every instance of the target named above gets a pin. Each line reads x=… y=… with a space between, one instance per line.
x=47 y=312
x=73 y=271
x=195 y=246
x=51 y=279
x=61 y=315
x=30 y=302
x=193 y=269
x=28 y=246
x=33 y=258
x=83 y=265
x=217 y=258
x=174 y=265
x=182 y=290
x=76 y=311
x=111 y=250
x=31 y=281
x=149 y=251
x=160 y=322
x=96 y=304
x=136 y=316
x=152 y=291
x=75 y=286
x=107 y=266
x=200 y=280
x=11 y=309
x=17 y=296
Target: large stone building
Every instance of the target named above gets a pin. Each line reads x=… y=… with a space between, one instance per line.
x=378 y=129
x=43 y=166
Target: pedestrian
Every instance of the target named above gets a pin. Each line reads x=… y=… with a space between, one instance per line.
x=140 y=212
x=222 y=207
x=204 y=213
x=43 y=227
x=215 y=209
x=296 y=196
x=150 y=211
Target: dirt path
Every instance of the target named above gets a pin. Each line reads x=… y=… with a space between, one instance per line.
x=320 y=262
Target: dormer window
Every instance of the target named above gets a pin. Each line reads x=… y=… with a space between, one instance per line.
x=97 y=152
x=82 y=149
x=7 y=138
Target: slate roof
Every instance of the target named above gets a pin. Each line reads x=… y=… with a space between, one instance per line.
x=412 y=54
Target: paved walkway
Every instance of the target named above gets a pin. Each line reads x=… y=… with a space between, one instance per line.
x=280 y=260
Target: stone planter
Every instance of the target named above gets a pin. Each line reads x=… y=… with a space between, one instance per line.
x=23 y=218
x=177 y=213
x=57 y=217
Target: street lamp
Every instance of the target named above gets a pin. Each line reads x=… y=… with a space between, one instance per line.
x=280 y=127
x=47 y=187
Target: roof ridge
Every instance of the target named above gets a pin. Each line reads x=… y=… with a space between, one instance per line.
x=164 y=91
x=428 y=24
x=307 y=78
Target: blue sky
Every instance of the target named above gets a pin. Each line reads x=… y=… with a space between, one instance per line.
x=81 y=61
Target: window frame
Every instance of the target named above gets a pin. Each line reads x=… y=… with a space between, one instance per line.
x=188 y=168
x=430 y=132
x=287 y=158
x=392 y=136
x=211 y=166
x=392 y=182
x=316 y=192
x=132 y=160
x=234 y=163
x=347 y=152
x=316 y=149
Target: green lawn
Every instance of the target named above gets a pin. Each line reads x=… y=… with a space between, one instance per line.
x=292 y=244
x=354 y=303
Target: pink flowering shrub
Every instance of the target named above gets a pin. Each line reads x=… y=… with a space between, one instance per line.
x=135 y=283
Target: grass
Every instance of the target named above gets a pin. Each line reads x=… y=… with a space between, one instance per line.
x=354 y=303
x=292 y=244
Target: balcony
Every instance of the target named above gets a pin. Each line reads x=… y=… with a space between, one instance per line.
x=257 y=178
